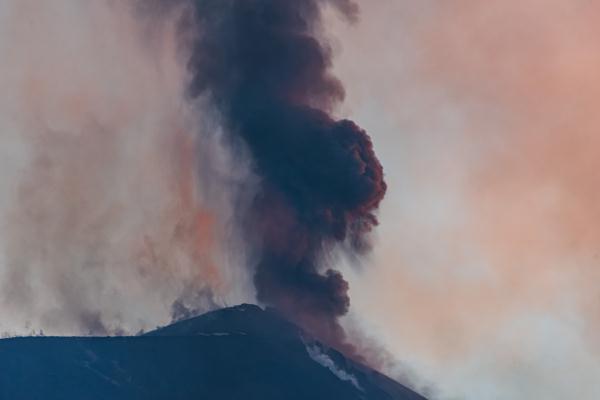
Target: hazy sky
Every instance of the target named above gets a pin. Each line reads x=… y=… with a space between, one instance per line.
x=483 y=281
x=485 y=276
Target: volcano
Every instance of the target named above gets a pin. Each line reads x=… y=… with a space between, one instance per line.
x=234 y=353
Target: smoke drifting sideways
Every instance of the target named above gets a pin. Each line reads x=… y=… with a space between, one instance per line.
x=104 y=230
x=263 y=67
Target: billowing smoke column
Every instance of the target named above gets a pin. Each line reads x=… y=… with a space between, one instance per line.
x=264 y=69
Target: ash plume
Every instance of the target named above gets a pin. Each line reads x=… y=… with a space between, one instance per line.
x=264 y=68
x=153 y=145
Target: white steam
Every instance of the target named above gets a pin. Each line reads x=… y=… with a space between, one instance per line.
x=102 y=224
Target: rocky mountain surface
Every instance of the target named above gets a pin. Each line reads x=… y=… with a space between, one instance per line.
x=235 y=353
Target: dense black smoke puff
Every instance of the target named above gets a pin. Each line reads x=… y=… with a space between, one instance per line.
x=266 y=72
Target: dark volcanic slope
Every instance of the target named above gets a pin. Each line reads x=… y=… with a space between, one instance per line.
x=236 y=353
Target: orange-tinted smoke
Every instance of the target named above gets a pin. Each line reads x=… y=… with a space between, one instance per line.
x=103 y=226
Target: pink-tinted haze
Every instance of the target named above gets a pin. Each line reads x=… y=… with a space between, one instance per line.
x=484 y=114
x=102 y=226
x=484 y=281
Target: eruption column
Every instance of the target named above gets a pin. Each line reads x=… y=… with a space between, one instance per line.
x=263 y=67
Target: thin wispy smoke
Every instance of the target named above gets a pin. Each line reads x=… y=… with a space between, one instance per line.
x=103 y=229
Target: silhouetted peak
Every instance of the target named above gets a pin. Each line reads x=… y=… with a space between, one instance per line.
x=237 y=320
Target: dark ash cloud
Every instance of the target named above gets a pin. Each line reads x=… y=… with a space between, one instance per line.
x=266 y=71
